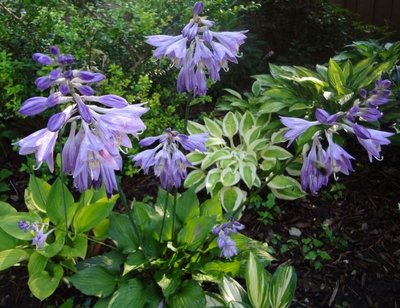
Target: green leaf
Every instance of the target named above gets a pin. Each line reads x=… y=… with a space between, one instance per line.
x=286 y=188
x=94 y=281
x=90 y=215
x=129 y=294
x=189 y=295
x=6 y=208
x=168 y=282
x=196 y=230
x=232 y=291
x=122 y=232
x=213 y=157
x=213 y=177
x=248 y=173
x=9 y=223
x=7 y=241
x=195 y=128
x=257 y=282
x=228 y=267
x=273 y=151
x=196 y=157
x=11 y=257
x=229 y=177
x=231 y=198
x=194 y=178
x=43 y=284
x=230 y=125
x=187 y=206
x=213 y=128
x=76 y=247
x=52 y=249
x=37 y=263
x=211 y=207
x=39 y=189
x=336 y=77
x=135 y=260
x=283 y=286
x=246 y=123
x=59 y=198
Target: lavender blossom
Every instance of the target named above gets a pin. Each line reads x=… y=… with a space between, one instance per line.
x=224 y=241
x=40 y=237
x=24 y=225
x=198 y=51
x=91 y=153
x=371 y=140
x=169 y=163
x=338 y=158
x=296 y=127
x=316 y=168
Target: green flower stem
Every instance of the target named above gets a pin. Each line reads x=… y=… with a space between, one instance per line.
x=131 y=218
x=165 y=214
x=174 y=214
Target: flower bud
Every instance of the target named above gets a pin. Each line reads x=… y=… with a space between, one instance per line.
x=54 y=50
x=56 y=121
x=198 y=8
x=113 y=101
x=86 y=90
x=42 y=58
x=33 y=106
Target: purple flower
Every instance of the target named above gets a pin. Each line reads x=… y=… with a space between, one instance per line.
x=24 y=225
x=42 y=144
x=316 y=168
x=339 y=159
x=198 y=52
x=40 y=237
x=296 y=127
x=42 y=58
x=371 y=140
x=324 y=117
x=169 y=163
x=224 y=241
x=33 y=106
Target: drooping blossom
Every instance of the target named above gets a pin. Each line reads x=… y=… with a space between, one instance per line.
x=92 y=151
x=225 y=242
x=316 y=168
x=40 y=236
x=371 y=140
x=198 y=52
x=167 y=160
x=338 y=158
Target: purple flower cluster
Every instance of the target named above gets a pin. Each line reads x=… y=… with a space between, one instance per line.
x=40 y=237
x=320 y=164
x=168 y=162
x=198 y=50
x=92 y=151
x=224 y=241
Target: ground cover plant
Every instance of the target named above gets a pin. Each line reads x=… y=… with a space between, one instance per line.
x=186 y=245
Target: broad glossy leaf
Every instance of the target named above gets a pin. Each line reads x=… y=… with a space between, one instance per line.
x=229 y=177
x=194 y=178
x=9 y=223
x=195 y=128
x=196 y=157
x=187 y=206
x=190 y=294
x=214 y=157
x=94 y=281
x=248 y=173
x=7 y=241
x=231 y=198
x=6 y=208
x=60 y=202
x=129 y=294
x=196 y=230
x=75 y=247
x=39 y=190
x=212 y=178
x=232 y=291
x=11 y=257
x=273 y=151
x=247 y=122
x=89 y=216
x=122 y=232
x=43 y=284
x=211 y=207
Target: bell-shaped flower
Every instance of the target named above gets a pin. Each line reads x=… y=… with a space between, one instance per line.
x=296 y=127
x=41 y=143
x=338 y=158
x=371 y=140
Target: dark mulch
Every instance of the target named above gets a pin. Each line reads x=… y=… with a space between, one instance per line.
x=367 y=272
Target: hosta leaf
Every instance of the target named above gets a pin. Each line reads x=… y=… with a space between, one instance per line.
x=39 y=190
x=129 y=294
x=190 y=294
x=194 y=178
x=9 y=223
x=10 y=257
x=336 y=77
x=232 y=291
x=212 y=178
x=289 y=189
x=257 y=282
x=59 y=200
x=248 y=173
x=213 y=157
x=42 y=284
x=229 y=177
x=94 y=281
x=246 y=123
x=196 y=157
x=273 y=151
x=230 y=125
x=231 y=198
x=283 y=286
x=195 y=128
x=213 y=128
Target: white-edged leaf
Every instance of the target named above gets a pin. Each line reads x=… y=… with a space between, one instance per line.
x=232 y=291
x=273 y=151
x=230 y=125
x=247 y=122
x=195 y=128
x=212 y=178
x=231 y=198
x=248 y=173
x=213 y=128
x=194 y=178
x=257 y=282
x=229 y=177
x=213 y=157
x=196 y=157
x=283 y=286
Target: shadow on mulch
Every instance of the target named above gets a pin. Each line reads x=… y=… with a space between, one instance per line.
x=367 y=216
